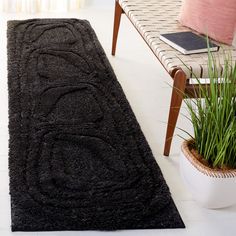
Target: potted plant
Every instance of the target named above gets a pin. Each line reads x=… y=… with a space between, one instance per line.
x=208 y=160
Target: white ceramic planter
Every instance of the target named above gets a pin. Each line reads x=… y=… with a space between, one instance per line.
x=210 y=188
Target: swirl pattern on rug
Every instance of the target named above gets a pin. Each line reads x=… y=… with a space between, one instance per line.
x=78 y=159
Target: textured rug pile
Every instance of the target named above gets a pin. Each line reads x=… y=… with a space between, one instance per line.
x=78 y=159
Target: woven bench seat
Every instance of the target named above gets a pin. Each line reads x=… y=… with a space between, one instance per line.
x=152 y=18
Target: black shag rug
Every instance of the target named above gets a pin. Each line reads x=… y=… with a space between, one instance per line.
x=78 y=158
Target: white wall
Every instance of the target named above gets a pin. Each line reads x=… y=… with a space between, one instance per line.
x=99 y=3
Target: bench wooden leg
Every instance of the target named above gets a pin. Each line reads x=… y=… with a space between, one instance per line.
x=176 y=100
x=118 y=12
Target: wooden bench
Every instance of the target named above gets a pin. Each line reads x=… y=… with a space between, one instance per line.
x=150 y=18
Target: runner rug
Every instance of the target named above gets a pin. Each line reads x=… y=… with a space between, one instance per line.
x=78 y=159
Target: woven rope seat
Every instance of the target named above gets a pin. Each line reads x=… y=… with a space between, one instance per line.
x=153 y=17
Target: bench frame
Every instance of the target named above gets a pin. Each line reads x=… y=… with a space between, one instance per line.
x=181 y=83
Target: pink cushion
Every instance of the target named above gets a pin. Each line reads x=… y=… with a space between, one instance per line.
x=215 y=18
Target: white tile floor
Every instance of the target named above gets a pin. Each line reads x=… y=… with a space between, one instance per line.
x=145 y=84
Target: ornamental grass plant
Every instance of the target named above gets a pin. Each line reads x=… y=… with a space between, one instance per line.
x=213 y=115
